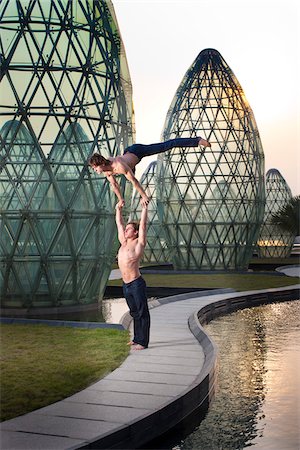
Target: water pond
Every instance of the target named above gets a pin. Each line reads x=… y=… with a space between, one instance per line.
x=257 y=402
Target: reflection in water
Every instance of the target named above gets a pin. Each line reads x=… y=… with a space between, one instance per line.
x=256 y=401
x=114 y=309
x=110 y=311
x=93 y=315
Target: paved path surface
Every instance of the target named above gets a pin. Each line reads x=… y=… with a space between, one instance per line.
x=290 y=271
x=147 y=391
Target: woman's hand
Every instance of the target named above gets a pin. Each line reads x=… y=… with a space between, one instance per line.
x=120 y=204
x=145 y=200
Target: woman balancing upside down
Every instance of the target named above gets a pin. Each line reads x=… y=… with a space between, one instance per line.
x=125 y=164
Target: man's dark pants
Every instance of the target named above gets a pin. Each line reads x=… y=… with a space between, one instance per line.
x=136 y=298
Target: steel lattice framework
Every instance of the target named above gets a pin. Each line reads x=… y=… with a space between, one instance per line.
x=156 y=249
x=274 y=242
x=211 y=202
x=65 y=92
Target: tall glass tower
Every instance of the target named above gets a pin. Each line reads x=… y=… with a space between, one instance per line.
x=211 y=202
x=65 y=93
x=156 y=249
x=274 y=242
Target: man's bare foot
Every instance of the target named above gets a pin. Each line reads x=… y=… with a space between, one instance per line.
x=204 y=143
x=130 y=343
x=138 y=347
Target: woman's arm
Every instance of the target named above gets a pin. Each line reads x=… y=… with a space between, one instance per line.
x=130 y=177
x=116 y=188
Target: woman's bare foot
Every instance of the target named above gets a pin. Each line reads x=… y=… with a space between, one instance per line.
x=138 y=347
x=204 y=143
x=130 y=343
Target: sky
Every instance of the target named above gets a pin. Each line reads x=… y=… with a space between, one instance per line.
x=259 y=40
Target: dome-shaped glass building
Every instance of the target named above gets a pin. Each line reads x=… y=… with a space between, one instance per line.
x=273 y=241
x=156 y=249
x=206 y=228
x=65 y=93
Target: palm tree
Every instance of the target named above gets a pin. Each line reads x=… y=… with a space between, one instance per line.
x=288 y=217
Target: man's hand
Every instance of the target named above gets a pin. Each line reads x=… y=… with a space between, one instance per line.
x=120 y=204
x=145 y=200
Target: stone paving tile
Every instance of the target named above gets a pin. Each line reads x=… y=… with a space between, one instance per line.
x=173 y=336
x=162 y=368
x=131 y=375
x=140 y=387
x=115 y=414
x=132 y=400
x=13 y=440
x=173 y=331
x=171 y=348
x=59 y=426
x=163 y=316
x=160 y=341
x=177 y=307
x=197 y=362
x=160 y=324
x=172 y=320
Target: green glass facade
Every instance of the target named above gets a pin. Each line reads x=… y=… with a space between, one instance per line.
x=65 y=93
x=273 y=242
x=156 y=249
x=211 y=202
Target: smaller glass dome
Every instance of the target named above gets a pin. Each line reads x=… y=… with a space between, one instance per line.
x=273 y=242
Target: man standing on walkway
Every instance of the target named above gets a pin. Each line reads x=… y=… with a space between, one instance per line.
x=133 y=240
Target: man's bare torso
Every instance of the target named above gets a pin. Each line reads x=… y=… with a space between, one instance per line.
x=129 y=256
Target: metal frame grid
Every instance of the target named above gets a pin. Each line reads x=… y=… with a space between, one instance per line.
x=211 y=202
x=156 y=249
x=65 y=92
x=273 y=242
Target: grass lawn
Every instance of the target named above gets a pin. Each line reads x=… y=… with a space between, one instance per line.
x=42 y=364
x=239 y=282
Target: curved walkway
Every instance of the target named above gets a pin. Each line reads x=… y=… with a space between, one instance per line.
x=151 y=391
x=290 y=271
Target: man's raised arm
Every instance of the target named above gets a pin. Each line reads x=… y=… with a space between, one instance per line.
x=143 y=226
x=119 y=222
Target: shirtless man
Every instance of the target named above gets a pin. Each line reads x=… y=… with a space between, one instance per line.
x=133 y=241
x=125 y=164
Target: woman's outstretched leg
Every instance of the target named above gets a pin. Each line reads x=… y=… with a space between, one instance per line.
x=142 y=150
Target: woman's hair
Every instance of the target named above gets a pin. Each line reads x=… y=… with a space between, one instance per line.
x=98 y=160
